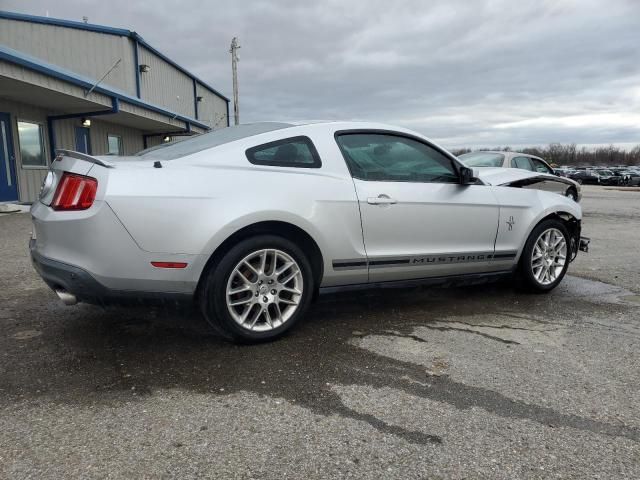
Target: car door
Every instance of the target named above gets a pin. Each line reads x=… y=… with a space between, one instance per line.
x=417 y=220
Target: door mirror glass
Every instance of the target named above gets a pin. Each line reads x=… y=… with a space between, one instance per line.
x=467 y=176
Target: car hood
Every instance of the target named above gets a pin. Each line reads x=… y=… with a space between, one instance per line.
x=502 y=176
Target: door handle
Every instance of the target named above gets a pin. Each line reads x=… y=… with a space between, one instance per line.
x=381 y=199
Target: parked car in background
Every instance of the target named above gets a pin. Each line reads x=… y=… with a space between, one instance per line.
x=562 y=185
x=585 y=177
x=627 y=176
x=563 y=171
x=250 y=222
x=607 y=177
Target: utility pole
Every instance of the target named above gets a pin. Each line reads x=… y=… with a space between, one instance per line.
x=234 y=68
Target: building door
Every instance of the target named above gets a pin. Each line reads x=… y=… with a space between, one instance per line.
x=83 y=140
x=8 y=185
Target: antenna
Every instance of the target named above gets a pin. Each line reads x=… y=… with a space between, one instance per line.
x=234 y=70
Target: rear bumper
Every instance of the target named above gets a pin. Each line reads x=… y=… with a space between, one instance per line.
x=81 y=284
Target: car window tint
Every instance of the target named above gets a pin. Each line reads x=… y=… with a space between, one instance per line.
x=393 y=158
x=290 y=152
x=522 y=162
x=482 y=159
x=540 y=166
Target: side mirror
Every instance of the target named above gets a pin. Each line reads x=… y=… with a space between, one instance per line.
x=467 y=176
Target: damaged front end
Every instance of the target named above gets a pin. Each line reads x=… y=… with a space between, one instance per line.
x=578 y=243
x=518 y=178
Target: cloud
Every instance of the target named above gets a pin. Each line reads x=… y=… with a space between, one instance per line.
x=490 y=72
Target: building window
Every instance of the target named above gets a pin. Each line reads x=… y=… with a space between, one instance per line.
x=31 y=138
x=114 y=145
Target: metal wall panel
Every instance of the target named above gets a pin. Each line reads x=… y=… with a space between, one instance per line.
x=212 y=110
x=87 y=53
x=164 y=85
x=65 y=135
x=26 y=75
x=131 y=138
x=172 y=123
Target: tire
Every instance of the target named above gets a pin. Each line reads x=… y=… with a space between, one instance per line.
x=530 y=274
x=248 y=270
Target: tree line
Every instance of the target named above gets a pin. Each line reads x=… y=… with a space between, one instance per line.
x=569 y=154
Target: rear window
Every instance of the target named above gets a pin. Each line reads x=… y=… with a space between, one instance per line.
x=290 y=152
x=482 y=159
x=198 y=143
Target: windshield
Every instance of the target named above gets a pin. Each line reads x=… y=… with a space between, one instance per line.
x=195 y=144
x=482 y=159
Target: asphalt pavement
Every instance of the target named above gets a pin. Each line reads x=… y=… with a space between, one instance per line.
x=473 y=382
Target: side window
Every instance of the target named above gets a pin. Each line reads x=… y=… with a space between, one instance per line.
x=540 y=166
x=290 y=152
x=393 y=158
x=522 y=162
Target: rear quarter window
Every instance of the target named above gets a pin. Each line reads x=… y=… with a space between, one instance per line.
x=296 y=152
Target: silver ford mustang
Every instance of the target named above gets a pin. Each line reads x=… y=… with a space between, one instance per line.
x=251 y=222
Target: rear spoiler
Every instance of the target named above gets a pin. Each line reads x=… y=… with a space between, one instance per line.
x=82 y=156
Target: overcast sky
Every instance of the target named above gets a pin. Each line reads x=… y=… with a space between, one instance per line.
x=463 y=72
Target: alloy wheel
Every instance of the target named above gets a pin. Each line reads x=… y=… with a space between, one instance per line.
x=549 y=256
x=264 y=290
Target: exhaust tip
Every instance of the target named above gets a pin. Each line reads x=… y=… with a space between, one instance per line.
x=66 y=297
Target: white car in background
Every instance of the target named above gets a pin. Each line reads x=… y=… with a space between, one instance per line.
x=251 y=222
x=552 y=181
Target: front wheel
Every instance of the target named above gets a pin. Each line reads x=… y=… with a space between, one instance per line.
x=545 y=257
x=258 y=290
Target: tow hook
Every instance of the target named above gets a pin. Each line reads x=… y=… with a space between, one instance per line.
x=583 y=246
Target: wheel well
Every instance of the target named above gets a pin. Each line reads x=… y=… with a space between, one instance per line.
x=573 y=225
x=283 y=229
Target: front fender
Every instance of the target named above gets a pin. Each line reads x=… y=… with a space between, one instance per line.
x=522 y=209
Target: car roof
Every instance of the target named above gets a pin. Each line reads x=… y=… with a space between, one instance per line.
x=272 y=130
x=510 y=154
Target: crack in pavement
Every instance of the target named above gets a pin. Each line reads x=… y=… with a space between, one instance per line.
x=474 y=332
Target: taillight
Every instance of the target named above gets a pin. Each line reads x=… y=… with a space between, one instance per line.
x=74 y=192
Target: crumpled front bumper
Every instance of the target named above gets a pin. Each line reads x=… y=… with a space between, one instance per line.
x=583 y=244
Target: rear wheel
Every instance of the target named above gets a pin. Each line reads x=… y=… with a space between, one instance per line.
x=545 y=257
x=258 y=290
